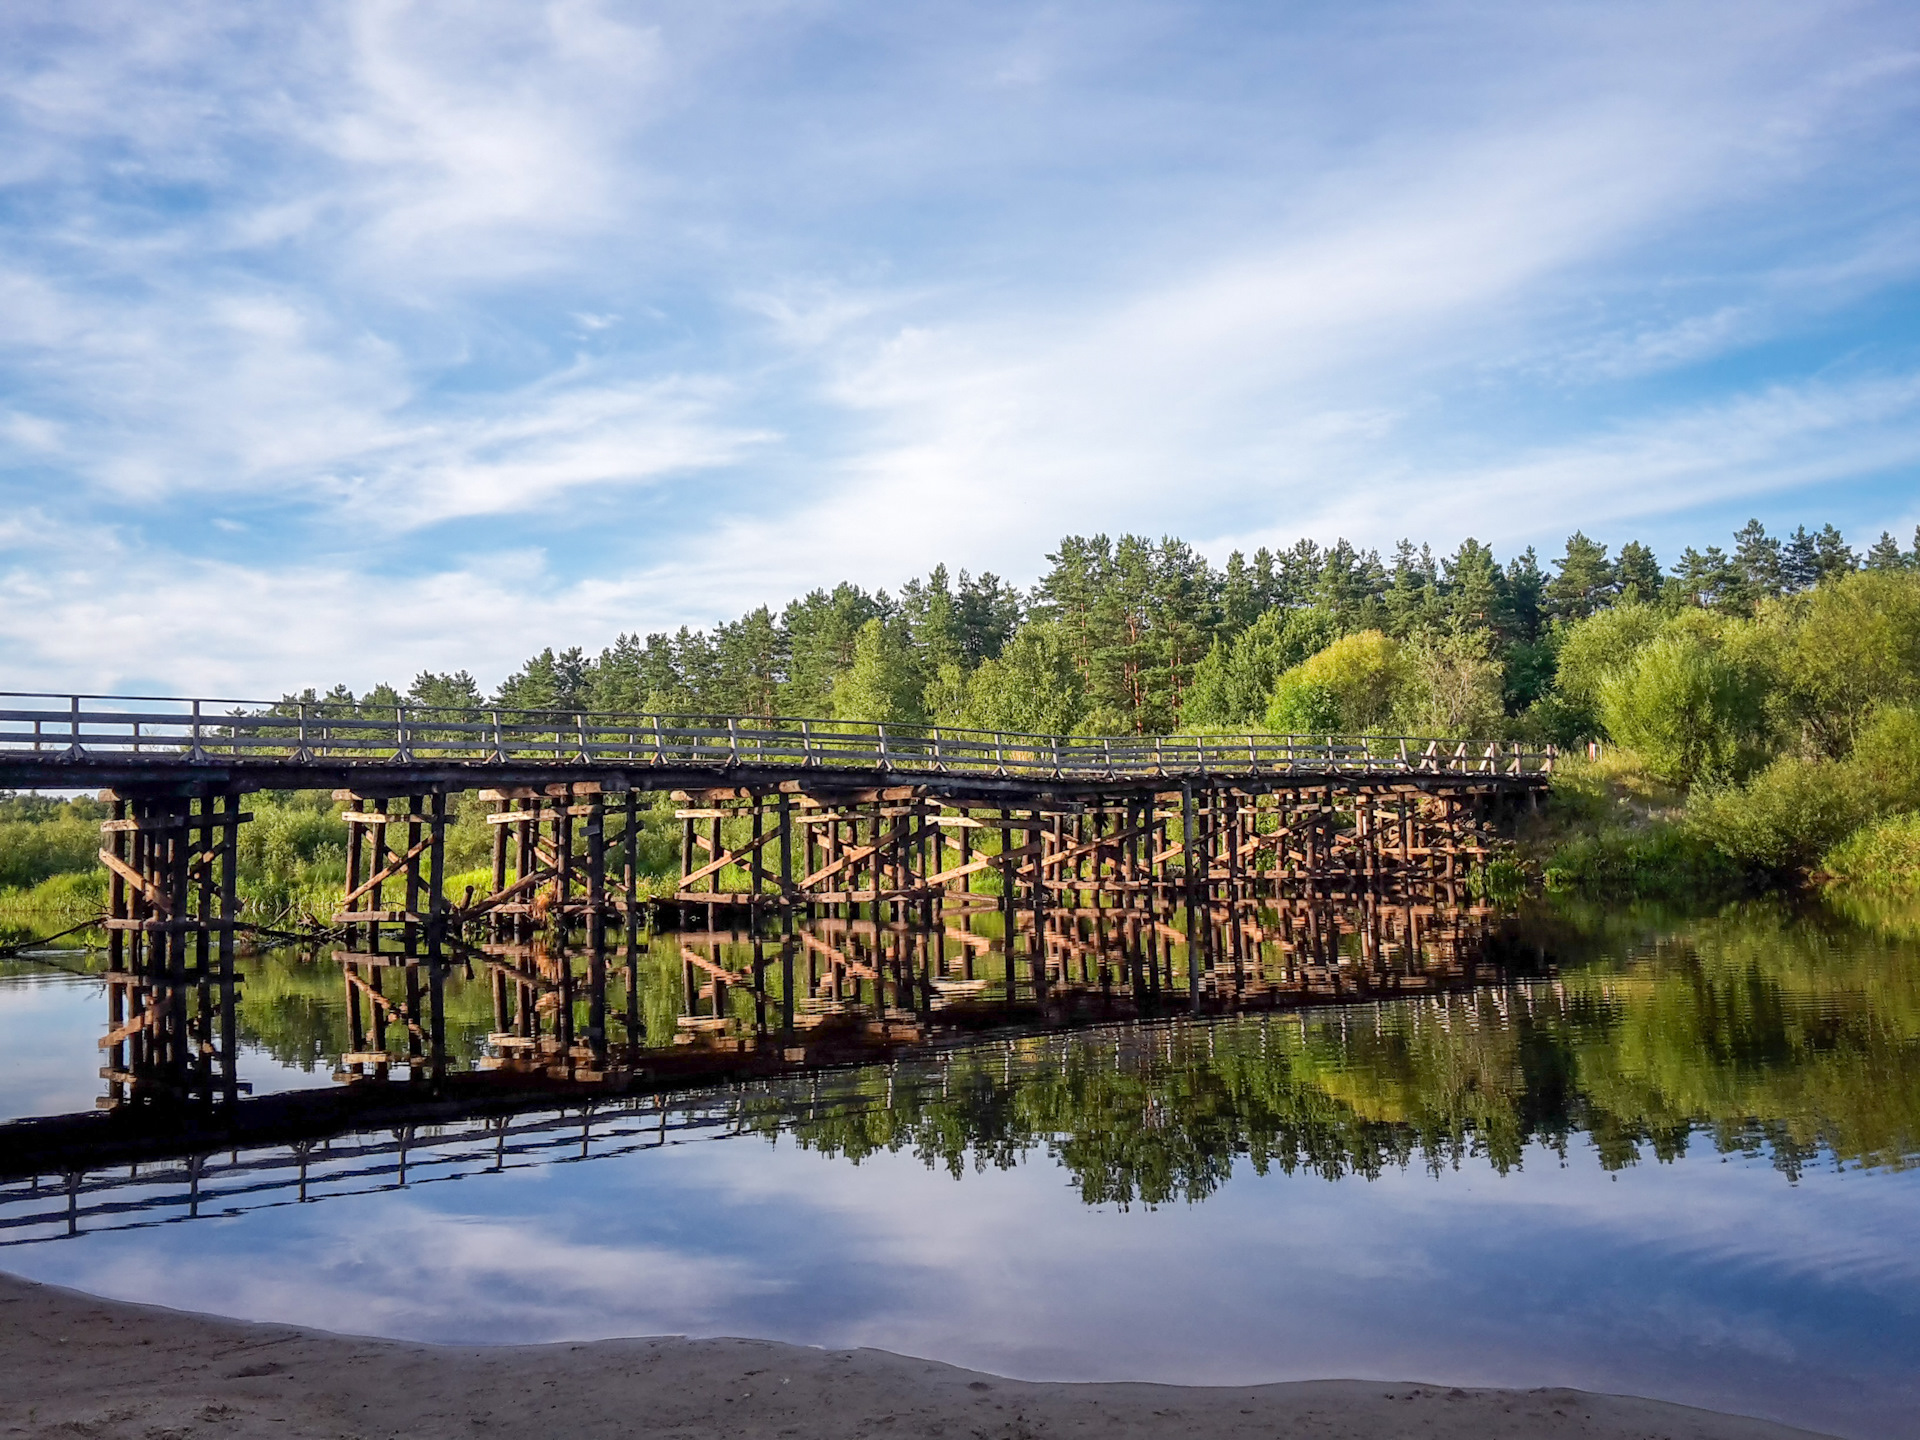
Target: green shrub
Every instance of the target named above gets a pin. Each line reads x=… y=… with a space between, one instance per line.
x=1660 y=861
x=1450 y=686
x=1883 y=857
x=1886 y=758
x=1303 y=707
x=1606 y=640
x=34 y=850
x=73 y=895
x=1786 y=817
x=1687 y=709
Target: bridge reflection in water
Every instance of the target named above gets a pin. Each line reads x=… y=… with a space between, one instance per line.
x=563 y=1045
x=660 y=1005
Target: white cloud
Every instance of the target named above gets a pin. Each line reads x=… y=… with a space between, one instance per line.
x=942 y=287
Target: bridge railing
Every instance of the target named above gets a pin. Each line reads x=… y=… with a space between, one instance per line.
x=172 y=731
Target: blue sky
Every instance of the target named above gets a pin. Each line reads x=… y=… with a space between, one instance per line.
x=342 y=340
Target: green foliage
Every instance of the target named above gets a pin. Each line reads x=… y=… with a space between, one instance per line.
x=1450 y=685
x=1585 y=580
x=1304 y=707
x=70 y=896
x=1785 y=817
x=1850 y=646
x=1137 y=617
x=1355 y=682
x=1880 y=858
x=1233 y=684
x=1685 y=707
x=884 y=681
x=1799 y=809
x=1589 y=649
x=62 y=843
x=1032 y=688
x=1658 y=861
x=293 y=857
x=1886 y=758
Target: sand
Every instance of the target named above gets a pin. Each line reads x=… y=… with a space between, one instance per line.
x=72 y=1366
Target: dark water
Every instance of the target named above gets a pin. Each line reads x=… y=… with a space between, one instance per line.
x=1662 y=1156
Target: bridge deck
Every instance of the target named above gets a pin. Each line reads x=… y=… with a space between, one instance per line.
x=71 y=741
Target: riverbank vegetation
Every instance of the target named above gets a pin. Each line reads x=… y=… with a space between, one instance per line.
x=1744 y=717
x=1760 y=1031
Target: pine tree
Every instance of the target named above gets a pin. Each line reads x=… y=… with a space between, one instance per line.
x=933 y=619
x=1297 y=574
x=1638 y=572
x=990 y=612
x=1708 y=579
x=749 y=664
x=1473 y=585
x=1757 y=555
x=1885 y=554
x=445 y=692
x=1800 y=561
x=1526 y=594
x=1832 y=555
x=821 y=632
x=1412 y=598
x=1583 y=582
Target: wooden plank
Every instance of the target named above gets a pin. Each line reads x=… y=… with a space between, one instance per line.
x=694 y=957
x=156 y=897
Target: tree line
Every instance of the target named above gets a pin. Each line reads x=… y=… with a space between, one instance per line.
x=1137 y=636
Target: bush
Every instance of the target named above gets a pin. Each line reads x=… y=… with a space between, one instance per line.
x=1786 y=817
x=35 y=850
x=1303 y=707
x=72 y=895
x=1232 y=683
x=1886 y=758
x=1659 y=861
x=1687 y=710
x=1450 y=686
x=1883 y=857
x=1606 y=640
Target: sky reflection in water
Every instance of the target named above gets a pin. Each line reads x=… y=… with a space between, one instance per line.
x=1716 y=1279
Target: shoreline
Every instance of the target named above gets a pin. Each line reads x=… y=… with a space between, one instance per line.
x=102 y=1369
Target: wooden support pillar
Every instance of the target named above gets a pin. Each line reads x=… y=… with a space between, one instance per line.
x=1193 y=854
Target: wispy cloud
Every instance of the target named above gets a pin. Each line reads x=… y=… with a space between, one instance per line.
x=781 y=293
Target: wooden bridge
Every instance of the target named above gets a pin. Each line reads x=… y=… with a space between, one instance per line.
x=777 y=820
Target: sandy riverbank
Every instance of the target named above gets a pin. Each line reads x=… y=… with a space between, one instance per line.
x=72 y=1365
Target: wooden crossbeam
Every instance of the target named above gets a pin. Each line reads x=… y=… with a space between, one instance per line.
x=145 y=1020
x=397 y=1009
x=157 y=897
x=719 y=971
x=730 y=857
x=502 y=897
x=400 y=863
x=839 y=957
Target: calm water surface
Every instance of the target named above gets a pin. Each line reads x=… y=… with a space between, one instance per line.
x=1657 y=1156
